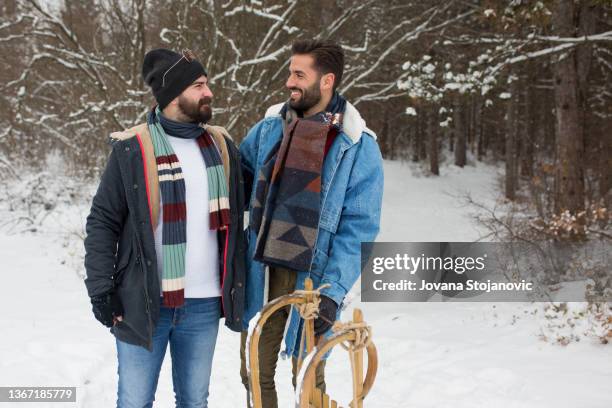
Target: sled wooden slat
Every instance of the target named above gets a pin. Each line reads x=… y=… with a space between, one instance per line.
x=361 y=386
x=309 y=395
x=358 y=367
x=253 y=344
x=317 y=398
x=325 y=400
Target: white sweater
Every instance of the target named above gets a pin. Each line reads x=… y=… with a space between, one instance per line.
x=201 y=258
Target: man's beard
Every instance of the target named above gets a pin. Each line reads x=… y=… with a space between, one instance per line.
x=310 y=97
x=197 y=112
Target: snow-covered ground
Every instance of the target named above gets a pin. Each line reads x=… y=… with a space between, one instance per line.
x=431 y=354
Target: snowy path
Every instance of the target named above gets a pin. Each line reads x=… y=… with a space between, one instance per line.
x=432 y=354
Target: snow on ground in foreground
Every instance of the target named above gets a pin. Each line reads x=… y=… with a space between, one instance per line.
x=431 y=354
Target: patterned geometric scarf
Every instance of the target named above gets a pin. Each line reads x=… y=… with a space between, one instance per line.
x=172 y=190
x=286 y=209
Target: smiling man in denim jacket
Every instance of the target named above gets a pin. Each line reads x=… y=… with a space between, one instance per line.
x=317 y=180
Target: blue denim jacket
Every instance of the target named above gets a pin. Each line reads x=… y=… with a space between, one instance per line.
x=351 y=199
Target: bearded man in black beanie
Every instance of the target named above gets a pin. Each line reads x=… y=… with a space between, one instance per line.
x=165 y=245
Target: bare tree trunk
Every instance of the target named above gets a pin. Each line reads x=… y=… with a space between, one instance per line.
x=587 y=21
x=512 y=141
x=478 y=133
x=496 y=136
x=415 y=133
x=432 y=137
x=605 y=169
x=460 y=136
x=450 y=132
x=528 y=138
x=387 y=145
x=569 y=166
x=141 y=44
x=472 y=127
x=423 y=134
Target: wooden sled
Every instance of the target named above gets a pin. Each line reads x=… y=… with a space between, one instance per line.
x=354 y=336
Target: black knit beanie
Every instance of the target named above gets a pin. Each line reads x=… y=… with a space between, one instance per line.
x=180 y=71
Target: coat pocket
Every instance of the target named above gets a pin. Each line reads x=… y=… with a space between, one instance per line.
x=328 y=225
x=124 y=257
x=319 y=262
x=329 y=221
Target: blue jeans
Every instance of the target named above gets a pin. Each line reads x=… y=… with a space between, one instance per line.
x=191 y=331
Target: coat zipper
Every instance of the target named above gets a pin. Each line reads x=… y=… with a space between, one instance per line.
x=140 y=247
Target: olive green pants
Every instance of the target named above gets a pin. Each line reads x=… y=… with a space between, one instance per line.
x=282 y=282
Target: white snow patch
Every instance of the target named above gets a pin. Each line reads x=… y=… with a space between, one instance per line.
x=430 y=354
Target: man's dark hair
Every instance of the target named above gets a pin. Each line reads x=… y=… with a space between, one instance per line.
x=328 y=56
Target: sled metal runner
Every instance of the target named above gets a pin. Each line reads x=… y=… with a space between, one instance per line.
x=354 y=337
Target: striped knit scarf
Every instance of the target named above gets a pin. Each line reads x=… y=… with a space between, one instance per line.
x=172 y=189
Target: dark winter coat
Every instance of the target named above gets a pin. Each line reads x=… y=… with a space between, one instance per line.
x=120 y=244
